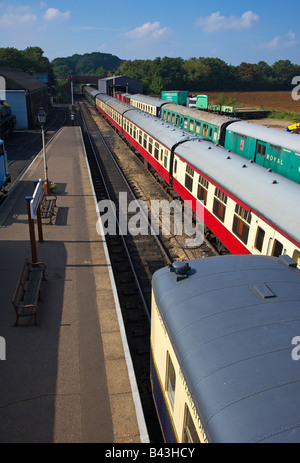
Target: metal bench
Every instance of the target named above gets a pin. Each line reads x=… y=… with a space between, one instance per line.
x=27 y=292
x=48 y=207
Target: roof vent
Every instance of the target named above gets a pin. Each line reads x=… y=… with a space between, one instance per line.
x=274 y=182
x=180 y=269
x=288 y=261
x=244 y=166
x=262 y=290
x=228 y=157
x=269 y=170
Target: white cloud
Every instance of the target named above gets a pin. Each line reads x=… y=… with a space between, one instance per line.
x=53 y=14
x=148 y=30
x=277 y=43
x=216 y=21
x=15 y=20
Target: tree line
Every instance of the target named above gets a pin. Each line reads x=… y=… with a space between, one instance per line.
x=194 y=74
x=209 y=74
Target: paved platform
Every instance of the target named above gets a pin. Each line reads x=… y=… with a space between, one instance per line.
x=69 y=379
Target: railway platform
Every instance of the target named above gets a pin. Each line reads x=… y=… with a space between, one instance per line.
x=70 y=379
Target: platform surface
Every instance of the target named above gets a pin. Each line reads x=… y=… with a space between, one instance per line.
x=69 y=379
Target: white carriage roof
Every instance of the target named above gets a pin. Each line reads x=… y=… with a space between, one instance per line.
x=271 y=135
x=231 y=324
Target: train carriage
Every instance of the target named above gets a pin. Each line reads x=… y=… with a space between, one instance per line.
x=90 y=94
x=148 y=104
x=248 y=208
x=208 y=125
x=223 y=357
x=114 y=110
x=154 y=139
x=269 y=147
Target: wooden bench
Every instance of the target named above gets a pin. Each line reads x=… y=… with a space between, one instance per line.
x=27 y=292
x=48 y=207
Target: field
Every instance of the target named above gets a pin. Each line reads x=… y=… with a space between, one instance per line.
x=281 y=101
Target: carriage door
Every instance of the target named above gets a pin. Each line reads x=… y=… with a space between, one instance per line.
x=260 y=152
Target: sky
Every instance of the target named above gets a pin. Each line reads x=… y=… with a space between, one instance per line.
x=235 y=31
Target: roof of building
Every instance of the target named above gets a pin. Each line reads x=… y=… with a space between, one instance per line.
x=19 y=80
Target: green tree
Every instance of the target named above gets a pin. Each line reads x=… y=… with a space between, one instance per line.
x=247 y=76
x=101 y=72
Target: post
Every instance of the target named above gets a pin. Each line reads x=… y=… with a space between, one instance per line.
x=42 y=120
x=46 y=184
x=31 y=231
x=39 y=216
x=39 y=224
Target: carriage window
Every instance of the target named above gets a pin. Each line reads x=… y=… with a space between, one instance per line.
x=165 y=116
x=189 y=174
x=145 y=141
x=150 y=145
x=190 y=435
x=140 y=137
x=156 y=150
x=260 y=235
x=205 y=130
x=178 y=120
x=202 y=189
x=296 y=257
x=175 y=166
x=277 y=248
x=261 y=149
x=240 y=227
x=173 y=119
x=170 y=379
x=166 y=159
x=198 y=127
x=191 y=128
x=219 y=207
x=134 y=132
x=185 y=123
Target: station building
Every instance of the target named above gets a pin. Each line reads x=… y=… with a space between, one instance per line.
x=125 y=84
x=25 y=94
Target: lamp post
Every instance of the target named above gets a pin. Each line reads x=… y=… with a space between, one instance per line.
x=42 y=120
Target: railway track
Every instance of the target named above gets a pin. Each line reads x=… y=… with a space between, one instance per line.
x=121 y=179
x=128 y=272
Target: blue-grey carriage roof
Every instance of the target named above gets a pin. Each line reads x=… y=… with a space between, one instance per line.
x=234 y=346
x=91 y=90
x=271 y=135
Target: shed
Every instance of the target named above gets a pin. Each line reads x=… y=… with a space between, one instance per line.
x=125 y=84
x=25 y=94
